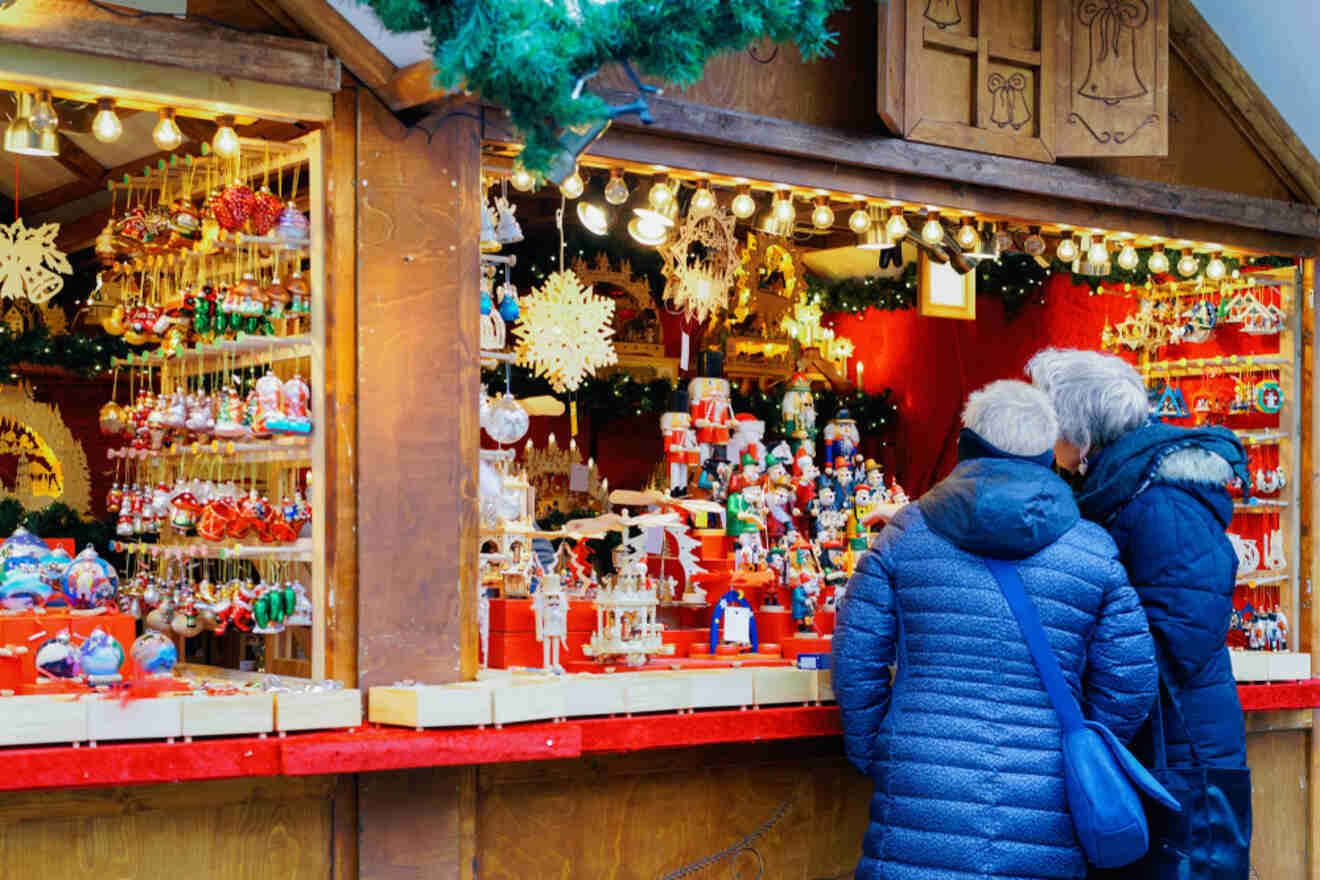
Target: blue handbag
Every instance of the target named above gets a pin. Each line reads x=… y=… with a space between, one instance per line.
x=1103 y=780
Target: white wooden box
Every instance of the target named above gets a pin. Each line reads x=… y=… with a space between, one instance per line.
x=657 y=692
x=825 y=685
x=784 y=684
x=593 y=694
x=453 y=705
x=47 y=719
x=151 y=718
x=1250 y=665
x=330 y=710
x=529 y=700
x=721 y=688
x=1289 y=666
x=228 y=715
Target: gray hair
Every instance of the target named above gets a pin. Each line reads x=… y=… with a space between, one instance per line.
x=1012 y=416
x=1098 y=397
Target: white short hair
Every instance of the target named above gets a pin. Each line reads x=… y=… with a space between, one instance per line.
x=1098 y=397
x=1012 y=416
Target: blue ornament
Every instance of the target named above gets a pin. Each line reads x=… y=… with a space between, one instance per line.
x=57 y=658
x=20 y=591
x=509 y=310
x=100 y=654
x=154 y=653
x=21 y=550
x=52 y=567
x=486 y=303
x=89 y=580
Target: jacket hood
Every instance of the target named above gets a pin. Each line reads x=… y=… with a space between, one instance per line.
x=1199 y=460
x=1004 y=508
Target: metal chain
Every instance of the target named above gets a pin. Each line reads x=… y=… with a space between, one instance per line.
x=740 y=846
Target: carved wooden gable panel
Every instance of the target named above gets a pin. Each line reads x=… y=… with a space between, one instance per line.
x=1113 y=78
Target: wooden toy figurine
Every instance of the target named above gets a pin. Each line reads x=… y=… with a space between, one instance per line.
x=712 y=415
x=804 y=601
x=681 y=451
x=550 y=605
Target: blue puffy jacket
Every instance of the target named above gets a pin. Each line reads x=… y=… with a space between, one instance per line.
x=964 y=747
x=1160 y=491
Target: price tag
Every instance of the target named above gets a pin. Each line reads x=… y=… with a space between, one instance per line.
x=578 y=478
x=737 y=624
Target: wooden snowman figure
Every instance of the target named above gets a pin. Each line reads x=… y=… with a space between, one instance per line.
x=681 y=449
x=712 y=414
x=550 y=606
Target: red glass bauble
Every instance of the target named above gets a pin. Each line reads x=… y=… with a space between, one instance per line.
x=234 y=207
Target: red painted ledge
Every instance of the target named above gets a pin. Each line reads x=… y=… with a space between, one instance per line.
x=372 y=748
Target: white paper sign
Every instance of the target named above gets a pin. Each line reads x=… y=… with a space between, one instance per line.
x=578 y=478
x=655 y=541
x=737 y=624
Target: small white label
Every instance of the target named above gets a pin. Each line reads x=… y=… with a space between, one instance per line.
x=737 y=624
x=683 y=356
x=578 y=478
x=655 y=541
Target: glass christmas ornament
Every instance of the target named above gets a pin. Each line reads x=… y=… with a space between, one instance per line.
x=166 y=134
x=233 y=206
x=43 y=118
x=89 y=580
x=23 y=590
x=859 y=220
x=489 y=244
x=265 y=213
x=1127 y=257
x=1067 y=250
x=509 y=309
x=1158 y=262
x=57 y=657
x=616 y=190
x=154 y=653
x=521 y=178
x=896 y=227
x=22 y=548
x=703 y=200
x=506 y=421
x=822 y=216
x=743 y=205
x=968 y=238
x=106 y=127
x=507 y=230
x=782 y=207
x=932 y=231
x=100 y=654
x=293 y=227
x=52 y=568
x=572 y=187
x=1215 y=269
x=225 y=141
x=593 y=218
x=1188 y=264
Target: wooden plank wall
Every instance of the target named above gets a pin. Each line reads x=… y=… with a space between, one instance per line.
x=239 y=829
x=1279 y=794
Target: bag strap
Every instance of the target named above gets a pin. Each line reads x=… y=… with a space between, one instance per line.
x=1165 y=690
x=1047 y=664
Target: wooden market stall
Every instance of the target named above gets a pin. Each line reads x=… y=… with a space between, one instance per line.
x=400 y=189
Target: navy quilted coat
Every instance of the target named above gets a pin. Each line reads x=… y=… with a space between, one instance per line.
x=1160 y=490
x=964 y=748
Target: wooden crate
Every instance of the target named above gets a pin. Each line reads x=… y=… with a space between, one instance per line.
x=591 y=694
x=452 y=705
x=721 y=688
x=153 y=718
x=44 y=719
x=1289 y=666
x=1250 y=665
x=228 y=715
x=657 y=692
x=330 y=710
x=530 y=699
x=785 y=684
x=825 y=685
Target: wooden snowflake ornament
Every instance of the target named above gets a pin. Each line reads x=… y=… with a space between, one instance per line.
x=565 y=331
x=29 y=262
x=699 y=279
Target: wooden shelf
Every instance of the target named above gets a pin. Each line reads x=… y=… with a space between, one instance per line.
x=1258 y=438
x=1261 y=579
x=243 y=352
x=298 y=551
x=1260 y=506
x=291 y=450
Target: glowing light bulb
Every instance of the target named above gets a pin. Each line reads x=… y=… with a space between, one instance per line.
x=1159 y=261
x=783 y=208
x=660 y=194
x=1127 y=257
x=593 y=217
x=1098 y=252
x=859 y=221
x=616 y=191
x=106 y=127
x=896 y=227
x=225 y=142
x=572 y=186
x=166 y=134
x=1188 y=264
x=822 y=216
x=1215 y=269
x=968 y=238
x=703 y=200
x=743 y=205
x=933 y=230
x=521 y=178
x=43 y=118
x=648 y=228
x=1067 y=249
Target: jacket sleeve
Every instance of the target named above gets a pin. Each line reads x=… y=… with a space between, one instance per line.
x=1121 y=676
x=864 y=647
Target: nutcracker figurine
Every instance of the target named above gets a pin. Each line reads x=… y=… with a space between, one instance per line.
x=799 y=410
x=875 y=478
x=712 y=415
x=778 y=503
x=804 y=601
x=843 y=479
x=745 y=500
x=841 y=437
x=859 y=533
x=680 y=448
x=748 y=432
x=550 y=605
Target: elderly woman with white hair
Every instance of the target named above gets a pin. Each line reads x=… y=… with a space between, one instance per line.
x=1161 y=492
x=964 y=747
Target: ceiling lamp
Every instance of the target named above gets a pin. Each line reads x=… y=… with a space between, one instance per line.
x=572 y=186
x=1127 y=257
x=1098 y=252
x=896 y=227
x=859 y=220
x=660 y=194
x=595 y=218
x=225 y=142
x=616 y=191
x=166 y=134
x=822 y=216
x=743 y=205
x=1215 y=269
x=875 y=237
x=106 y=126
x=651 y=225
x=1094 y=259
x=22 y=138
x=1067 y=249
x=43 y=118
x=703 y=200
x=1159 y=261
x=782 y=207
x=521 y=178
x=1187 y=263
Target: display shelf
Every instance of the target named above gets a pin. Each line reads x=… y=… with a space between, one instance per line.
x=1223 y=363
x=293 y=450
x=246 y=351
x=298 y=551
x=1257 y=579
x=1260 y=505
x=1258 y=438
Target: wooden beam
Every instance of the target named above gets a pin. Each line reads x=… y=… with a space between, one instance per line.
x=709 y=125
x=74 y=158
x=412 y=86
x=324 y=22
x=191 y=45
x=1198 y=45
x=81 y=189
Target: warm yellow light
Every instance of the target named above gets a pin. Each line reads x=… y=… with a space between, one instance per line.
x=572 y=187
x=616 y=191
x=1159 y=261
x=1127 y=257
x=1098 y=252
x=225 y=142
x=968 y=238
x=1188 y=264
x=1215 y=269
x=896 y=227
x=646 y=228
x=521 y=178
x=933 y=230
x=593 y=217
x=43 y=118
x=660 y=194
x=106 y=126
x=703 y=200
x=743 y=205
x=1067 y=249
x=783 y=207
x=859 y=221
x=22 y=138
x=822 y=216
x=166 y=134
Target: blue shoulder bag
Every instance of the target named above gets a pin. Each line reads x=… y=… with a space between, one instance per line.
x=1104 y=781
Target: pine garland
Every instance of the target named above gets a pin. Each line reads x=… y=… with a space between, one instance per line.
x=1014 y=278
x=84 y=355
x=529 y=56
x=59 y=521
